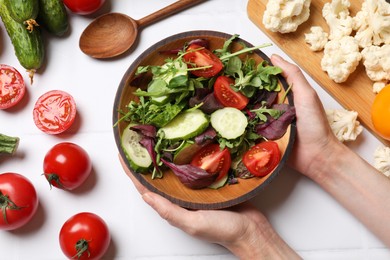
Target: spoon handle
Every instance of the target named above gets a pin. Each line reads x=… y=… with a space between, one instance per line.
x=167 y=11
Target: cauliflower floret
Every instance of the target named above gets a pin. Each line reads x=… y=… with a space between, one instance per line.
x=336 y=14
x=372 y=23
x=344 y=124
x=341 y=57
x=378 y=86
x=382 y=160
x=285 y=16
x=376 y=60
x=317 y=38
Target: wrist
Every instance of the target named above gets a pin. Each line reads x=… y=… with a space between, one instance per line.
x=262 y=242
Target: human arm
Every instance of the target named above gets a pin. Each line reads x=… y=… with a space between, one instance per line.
x=242 y=229
x=352 y=181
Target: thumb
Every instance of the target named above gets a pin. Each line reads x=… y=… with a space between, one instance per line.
x=174 y=214
x=292 y=73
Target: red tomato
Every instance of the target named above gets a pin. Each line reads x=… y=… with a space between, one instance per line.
x=66 y=166
x=18 y=201
x=54 y=112
x=84 y=7
x=12 y=87
x=198 y=56
x=226 y=95
x=262 y=158
x=84 y=236
x=213 y=160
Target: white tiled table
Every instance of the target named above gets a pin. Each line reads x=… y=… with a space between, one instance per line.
x=305 y=216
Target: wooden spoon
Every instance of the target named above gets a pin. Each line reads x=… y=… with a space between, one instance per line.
x=114 y=33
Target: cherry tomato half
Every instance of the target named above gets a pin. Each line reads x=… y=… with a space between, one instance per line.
x=54 y=112
x=226 y=95
x=198 y=56
x=213 y=160
x=380 y=113
x=12 y=87
x=84 y=7
x=66 y=166
x=18 y=200
x=262 y=158
x=84 y=236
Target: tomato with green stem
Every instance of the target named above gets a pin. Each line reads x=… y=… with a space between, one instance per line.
x=84 y=236
x=67 y=165
x=12 y=86
x=203 y=62
x=262 y=158
x=213 y=159
x=226 y=95
x=18 y=201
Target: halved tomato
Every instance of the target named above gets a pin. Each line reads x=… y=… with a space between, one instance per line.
x=226 y=95
x=12 y=87
x=213 y=159
x=198 y=56
x=262 y=158
x=54 y=112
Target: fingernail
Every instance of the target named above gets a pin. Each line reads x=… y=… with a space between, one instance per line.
x=277 y=57
x=147 y=198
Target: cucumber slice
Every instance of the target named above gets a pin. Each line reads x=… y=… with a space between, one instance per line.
x=136 y=154
x=229 y=122
x=186 y=125
x=186 y=153
x=220 y=183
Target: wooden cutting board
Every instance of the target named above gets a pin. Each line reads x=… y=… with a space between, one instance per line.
x=354 y=94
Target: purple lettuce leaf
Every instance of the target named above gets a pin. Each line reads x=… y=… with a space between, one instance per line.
x=191 y=176
x=275 y=128
x=205 y=96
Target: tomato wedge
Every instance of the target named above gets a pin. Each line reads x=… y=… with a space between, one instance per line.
x=213 y=160
x=262 y=158
x=198 y=56
x=12 y=86
x=226 y=95
x=54 y=112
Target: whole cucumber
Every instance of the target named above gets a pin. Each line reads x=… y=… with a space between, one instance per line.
x=24 y=11
x=28 y=46
x=53 y=16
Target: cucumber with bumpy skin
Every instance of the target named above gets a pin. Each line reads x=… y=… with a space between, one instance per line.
x=53 y=16
x=24 y=11
x=28 y=46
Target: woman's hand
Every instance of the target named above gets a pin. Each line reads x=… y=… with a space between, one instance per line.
x=242 y=229
x=315 y=140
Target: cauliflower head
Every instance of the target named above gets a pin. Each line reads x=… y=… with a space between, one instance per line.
x=344 y=124
x=378 y=86
x=336 y=14
x=372 y=23
x=285 y=16
x=341 y=57
x=317 y=38
x=382 y=160
x=376 y=60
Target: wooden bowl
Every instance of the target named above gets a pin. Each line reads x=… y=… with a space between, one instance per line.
x=169 y=186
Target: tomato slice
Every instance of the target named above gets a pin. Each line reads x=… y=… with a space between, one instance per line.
x=12 y=86
x=213 y=160
x=198 y=56
x=54 y=112
x=226 y=95
x=262 y=158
